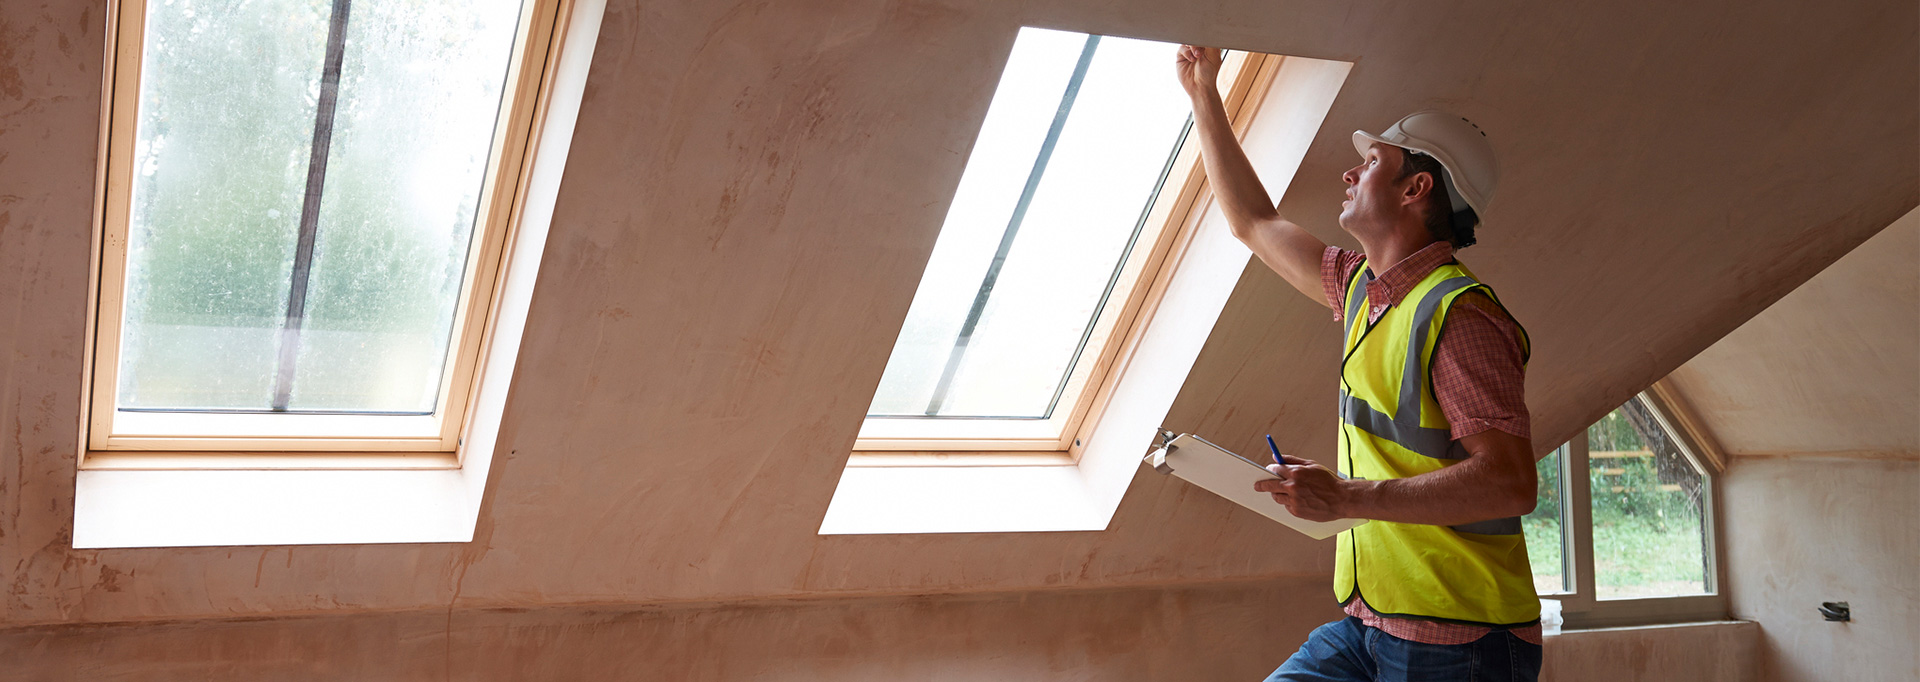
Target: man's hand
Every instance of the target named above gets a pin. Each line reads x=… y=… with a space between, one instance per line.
x=1308 y=490
x=1199 y=69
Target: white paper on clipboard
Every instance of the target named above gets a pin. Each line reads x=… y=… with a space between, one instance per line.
x=1221 y=472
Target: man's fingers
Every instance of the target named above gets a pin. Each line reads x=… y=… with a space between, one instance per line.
x=1288 y=471
x=1297 y=461
x=1196 y=53
x=1281 y=490
x=1274 y=486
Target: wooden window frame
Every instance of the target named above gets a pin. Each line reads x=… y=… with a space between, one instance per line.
x=202 y=441
x=1581 y=607
x=1059 y=439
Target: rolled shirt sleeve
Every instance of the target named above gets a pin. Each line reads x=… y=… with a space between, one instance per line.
x=1479 y=370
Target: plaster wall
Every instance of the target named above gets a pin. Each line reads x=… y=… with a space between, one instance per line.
x=1722 y=651
x=1237 y=632
x=1204 y=633
x=1805 y=530
x=755 y=187
x=1831 y=369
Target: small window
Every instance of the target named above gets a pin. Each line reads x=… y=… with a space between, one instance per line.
x=1076 y=187
x=1630 y=539
x=305 y=209
x=1649 y=532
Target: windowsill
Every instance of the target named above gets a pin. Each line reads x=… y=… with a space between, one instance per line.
x=883 y=493
x=267 y=461
x=209 y=499
x=1690 y=625
x=878 y=458
x=1645 y=611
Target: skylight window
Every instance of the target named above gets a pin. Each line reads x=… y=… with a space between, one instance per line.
x=1066 y=198
x=304 y=216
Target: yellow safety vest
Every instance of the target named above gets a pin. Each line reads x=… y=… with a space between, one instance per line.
x=1391 y=427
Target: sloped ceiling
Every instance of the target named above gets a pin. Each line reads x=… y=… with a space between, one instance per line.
x=755 y=186
x=1832 y=369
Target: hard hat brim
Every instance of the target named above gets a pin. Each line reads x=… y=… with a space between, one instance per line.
x=1363 y=139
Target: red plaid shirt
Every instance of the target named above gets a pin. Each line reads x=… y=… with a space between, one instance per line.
x=1479 y=379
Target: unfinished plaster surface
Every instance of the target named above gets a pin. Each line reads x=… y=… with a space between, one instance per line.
x=1832 y=368
x=752 y=194
x=1697 y=652
x=1203 y=634
x=1805 y=530
x=1208 y=633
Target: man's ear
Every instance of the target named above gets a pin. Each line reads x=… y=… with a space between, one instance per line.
x=1419 y=185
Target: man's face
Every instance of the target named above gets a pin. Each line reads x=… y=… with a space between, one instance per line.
x=1373 y=190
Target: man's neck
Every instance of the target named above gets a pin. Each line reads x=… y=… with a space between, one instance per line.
x=1388 y=250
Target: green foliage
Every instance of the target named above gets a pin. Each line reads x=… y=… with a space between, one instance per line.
x=1542 y=526
x=1544 y=552
x=1635 y=496
x=1647 y=534
x=1655 y=488
x=226 y=118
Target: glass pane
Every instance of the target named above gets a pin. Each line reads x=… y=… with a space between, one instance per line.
x=1126 y=121
x=1544 y=527
x=226 y=116
x=1648 y=535
x=420 y=87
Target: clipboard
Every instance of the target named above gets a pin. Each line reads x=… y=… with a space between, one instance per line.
x=1221 y=472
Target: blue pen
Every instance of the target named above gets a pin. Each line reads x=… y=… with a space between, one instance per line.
x=1276 y=450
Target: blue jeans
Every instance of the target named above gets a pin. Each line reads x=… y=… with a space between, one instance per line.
x=1345 y=650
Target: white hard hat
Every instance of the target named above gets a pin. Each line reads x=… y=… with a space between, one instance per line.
x=1456 y=143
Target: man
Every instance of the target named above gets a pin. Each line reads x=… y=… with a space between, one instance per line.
x=1434 y=441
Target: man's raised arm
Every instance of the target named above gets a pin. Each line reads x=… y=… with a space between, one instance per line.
x=1287 y=248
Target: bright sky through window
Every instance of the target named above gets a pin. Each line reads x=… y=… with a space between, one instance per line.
x=305 y=186
x=1076 y=145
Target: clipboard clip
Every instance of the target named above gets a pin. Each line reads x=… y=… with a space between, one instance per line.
x=1157 y=457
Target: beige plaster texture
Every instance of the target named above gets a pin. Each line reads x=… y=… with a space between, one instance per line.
x=1233 y=632
x=1203 y=633
x=1833 y=368
x=753 y=190
x=1696 y=652
x=1805 y=530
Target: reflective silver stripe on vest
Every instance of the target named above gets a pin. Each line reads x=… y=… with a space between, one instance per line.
x=1404 y=426
x=1435 y=443
x=1411 y=378
x=1506 y=526
x=1355 y=304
